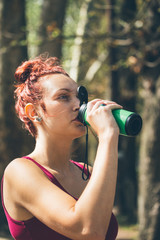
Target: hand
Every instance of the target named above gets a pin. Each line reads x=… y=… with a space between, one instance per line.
x=101 y=118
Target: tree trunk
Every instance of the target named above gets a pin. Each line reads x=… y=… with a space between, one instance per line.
x=123 y=91
x=127 y=177
x=13 y=52
x=50 y=31
x=149 y=177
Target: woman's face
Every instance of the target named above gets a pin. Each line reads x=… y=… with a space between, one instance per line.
x=61 y=106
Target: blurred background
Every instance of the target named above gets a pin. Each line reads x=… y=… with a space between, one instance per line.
x=113 y=49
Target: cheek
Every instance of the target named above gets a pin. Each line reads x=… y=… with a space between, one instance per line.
x=58 y=111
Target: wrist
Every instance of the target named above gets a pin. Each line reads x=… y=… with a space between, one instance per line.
x=109 y=135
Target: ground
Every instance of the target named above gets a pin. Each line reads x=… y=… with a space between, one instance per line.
x=128 y=233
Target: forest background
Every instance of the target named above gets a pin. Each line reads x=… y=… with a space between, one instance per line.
x=113 y=49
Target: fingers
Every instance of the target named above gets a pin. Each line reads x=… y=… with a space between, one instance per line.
x=111 y=105
x=96 y=103
x=100 y=117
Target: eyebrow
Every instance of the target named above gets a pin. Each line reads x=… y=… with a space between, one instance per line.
x=64 y=89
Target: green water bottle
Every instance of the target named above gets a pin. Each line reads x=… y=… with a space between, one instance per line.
x=130 y=123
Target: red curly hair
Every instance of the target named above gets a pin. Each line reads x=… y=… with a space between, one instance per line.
x=27 y=88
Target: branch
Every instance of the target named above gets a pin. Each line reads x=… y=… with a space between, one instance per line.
x=152 y=64
x=121 y=42
x=93 y=69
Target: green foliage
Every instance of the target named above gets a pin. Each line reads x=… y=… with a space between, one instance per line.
x=69 y=29
x=33 y=10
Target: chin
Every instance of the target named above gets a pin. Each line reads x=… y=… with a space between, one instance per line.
x=80 y=132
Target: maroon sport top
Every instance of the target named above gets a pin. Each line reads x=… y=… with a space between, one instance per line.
x=33 y=229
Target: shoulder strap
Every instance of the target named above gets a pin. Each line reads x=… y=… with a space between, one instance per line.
x=48 y=174
x=81 y=166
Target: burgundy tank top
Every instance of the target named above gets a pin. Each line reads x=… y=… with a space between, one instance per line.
x=33 y=229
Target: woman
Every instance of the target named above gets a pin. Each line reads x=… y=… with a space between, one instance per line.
x=43 y=194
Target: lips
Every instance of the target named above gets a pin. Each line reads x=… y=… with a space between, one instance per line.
x=77 y=120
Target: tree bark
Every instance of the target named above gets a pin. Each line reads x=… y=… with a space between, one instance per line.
x=50 y=31
x=149 y=165
x=123 y=91
x=13 y=52
x=149 y=177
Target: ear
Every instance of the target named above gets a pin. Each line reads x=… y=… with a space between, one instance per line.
x=30 y=112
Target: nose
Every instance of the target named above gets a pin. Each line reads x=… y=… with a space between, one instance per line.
x=76 y=104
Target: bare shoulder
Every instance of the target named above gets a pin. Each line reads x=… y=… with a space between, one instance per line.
x=18 y=176
x=13 y=168
x=22 y=180
x=20 y=173
x=18 y=167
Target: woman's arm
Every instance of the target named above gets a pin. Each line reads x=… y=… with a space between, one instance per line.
x=100 y=192
x=87 y=218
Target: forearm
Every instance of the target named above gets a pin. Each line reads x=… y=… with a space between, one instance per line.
x=96 y=202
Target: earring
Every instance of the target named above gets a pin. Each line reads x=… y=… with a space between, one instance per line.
x=38 y=119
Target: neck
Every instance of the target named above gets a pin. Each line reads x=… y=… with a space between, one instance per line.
x=53 y=153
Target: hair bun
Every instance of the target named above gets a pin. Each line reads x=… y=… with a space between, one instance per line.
x=23 y=72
